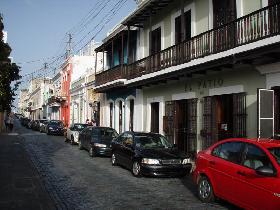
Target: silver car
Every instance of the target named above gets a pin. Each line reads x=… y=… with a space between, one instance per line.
x=72 y=133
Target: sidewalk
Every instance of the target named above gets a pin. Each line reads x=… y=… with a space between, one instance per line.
x=20 y=185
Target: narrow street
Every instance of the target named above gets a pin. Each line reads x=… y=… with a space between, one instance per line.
x=76 y=181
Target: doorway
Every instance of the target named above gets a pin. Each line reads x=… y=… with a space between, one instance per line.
x=155 y=117
x=187 y=27
x=180 y=124
x=131 y=114
x=224 y=116
x=111 y=114
x=120 y=116
x=223 y=12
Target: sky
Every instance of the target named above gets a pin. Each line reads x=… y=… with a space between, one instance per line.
x=37 y=29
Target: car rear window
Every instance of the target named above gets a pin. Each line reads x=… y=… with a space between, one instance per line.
x=107 y=132
x=79 y=127
x=275 y=151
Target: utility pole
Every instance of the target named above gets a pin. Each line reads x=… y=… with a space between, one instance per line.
x=69 y=46
x=45 y=68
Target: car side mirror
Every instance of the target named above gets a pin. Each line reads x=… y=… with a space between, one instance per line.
x=265 y=171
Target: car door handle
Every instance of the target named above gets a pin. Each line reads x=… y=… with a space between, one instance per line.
x=212 y=162
x=241 y=173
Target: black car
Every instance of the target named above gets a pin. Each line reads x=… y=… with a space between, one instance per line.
x=149 y=154
x=55 y=127
x=97 y=140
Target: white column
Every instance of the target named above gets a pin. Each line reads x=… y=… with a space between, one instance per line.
x=139 y=111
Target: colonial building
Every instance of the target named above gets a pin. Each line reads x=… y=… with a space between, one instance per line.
x=196 y=71
x=35 y=98
x=22 y=104
x=84 y=101
x=55 y=98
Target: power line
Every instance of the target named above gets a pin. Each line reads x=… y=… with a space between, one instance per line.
x=112 y=12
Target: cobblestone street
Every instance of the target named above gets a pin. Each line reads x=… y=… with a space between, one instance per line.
x=76 y=181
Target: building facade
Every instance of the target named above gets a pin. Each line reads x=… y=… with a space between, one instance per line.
x=196 y=71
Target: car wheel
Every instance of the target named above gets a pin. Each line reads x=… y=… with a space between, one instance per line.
x=205 y=190
x=114 y=160
x=136 y=169
x=92 y=152
x=80 y=145
x=72 y=140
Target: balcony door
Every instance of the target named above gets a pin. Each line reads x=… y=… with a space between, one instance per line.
x=179 y=30
x=223 y=12
x=156 y=41
x=155 y=48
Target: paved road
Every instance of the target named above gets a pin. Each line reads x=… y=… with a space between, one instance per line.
x=77 y=181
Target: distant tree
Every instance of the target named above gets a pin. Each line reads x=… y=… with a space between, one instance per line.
x=9 y=74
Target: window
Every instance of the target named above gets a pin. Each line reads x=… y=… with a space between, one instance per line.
x=125 y=139
x=230 y=151
x=276 y=153
x=255 y=157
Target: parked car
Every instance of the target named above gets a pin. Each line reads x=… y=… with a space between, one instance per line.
x=72 y=133
x=55 y=127
x=149 y=154
x=43 y=126
x=97 y=140
x=24 y=121
x=37 y=124
x=245 y=172
x=31 y=124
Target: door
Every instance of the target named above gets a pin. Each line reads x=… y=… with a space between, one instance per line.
x=168 y=121
x=223 y=167
x=256 y=191
x=131 y=114
x=224 y=116
x=82 y=137
x=276 y=112
x=186 y=125
x=155 y=48
x=265 y=113
x=223 y=13
x=128 y=150
x=88 y=135
x=111 y=114
x=120 y=116
x=155 y=117
x=179 y=33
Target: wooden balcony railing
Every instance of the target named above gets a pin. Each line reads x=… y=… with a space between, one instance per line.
x=115 y=73
x=258 y=25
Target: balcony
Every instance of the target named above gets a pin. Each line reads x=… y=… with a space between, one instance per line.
x=261 y=24
x=115 y=73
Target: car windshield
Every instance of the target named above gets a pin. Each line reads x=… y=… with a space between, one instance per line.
x=275 y=151
x=79 y=127
x=42 y=121
x=152 y=141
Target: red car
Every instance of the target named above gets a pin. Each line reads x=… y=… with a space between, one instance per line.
x=245 y=172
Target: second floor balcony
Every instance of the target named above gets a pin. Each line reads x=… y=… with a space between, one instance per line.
x=257 y=26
